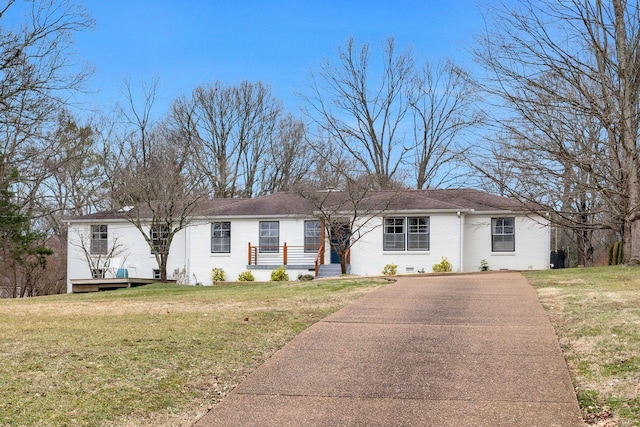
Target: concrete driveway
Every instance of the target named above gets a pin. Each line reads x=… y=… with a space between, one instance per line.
x=453 y=350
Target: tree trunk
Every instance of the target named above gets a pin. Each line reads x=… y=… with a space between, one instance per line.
x=632 y=243
x=163 y=267
x=343 y=263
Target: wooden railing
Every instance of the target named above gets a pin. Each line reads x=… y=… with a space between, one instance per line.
x=280 y=255
x=319 y=259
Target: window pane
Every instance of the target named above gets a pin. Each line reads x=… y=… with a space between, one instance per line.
x=99 y=239
x=418 y=234
x=312 y=236
x=221 y=237
x=503 y=235
x=393 y=238
x=160 y=238
x=269 y=236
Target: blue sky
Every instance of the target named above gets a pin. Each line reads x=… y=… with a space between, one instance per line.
x=184 y=43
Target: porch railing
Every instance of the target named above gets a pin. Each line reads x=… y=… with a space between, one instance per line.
x=280 y=255
x=319 y=260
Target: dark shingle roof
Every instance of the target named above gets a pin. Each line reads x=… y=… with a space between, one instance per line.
x=289 y=203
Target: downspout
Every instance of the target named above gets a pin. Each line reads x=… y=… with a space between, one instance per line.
x=548 y=255
x=187 y=254
x=69 y=286
x=460 y=241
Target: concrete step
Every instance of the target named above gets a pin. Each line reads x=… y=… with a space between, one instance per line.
x=330 y=270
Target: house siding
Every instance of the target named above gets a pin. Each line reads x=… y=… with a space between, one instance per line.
x=243 y=232
x=368 y=257
x=531 y=244
x=135 y=256
x=463 y=237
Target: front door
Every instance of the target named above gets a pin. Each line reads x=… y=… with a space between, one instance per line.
x=340 y=235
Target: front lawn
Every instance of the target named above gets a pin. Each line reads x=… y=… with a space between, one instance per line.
x=155 y=355
x=596 y=315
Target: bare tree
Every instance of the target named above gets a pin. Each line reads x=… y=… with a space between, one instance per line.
x=288 y=158
x=232 y=129
x=566 y=75
x=75 y=184
x=157 y=198
x=100 y=261
x=391 y=118
x=362 y=113
x=442 y=104
x=148 y=168
x=348 y=213
x=38 y=76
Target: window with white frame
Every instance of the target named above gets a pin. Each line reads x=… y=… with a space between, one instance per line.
x=221 y=237
x=160 y=239
x=99 y=239
x=406 y=233
x=269 y=236
x=312 y=236
x=393 y=239
x=418 y=233
x=503 y=237
x=97 y=273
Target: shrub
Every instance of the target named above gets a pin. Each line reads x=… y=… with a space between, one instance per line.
x=610 y=261
x=443 y=266
x=279 y=274
x=615 y=253
x=304 y=277
x=390 y=270
x=217 y=275
x=484 y=265
x=246 y=276
x=620 y=252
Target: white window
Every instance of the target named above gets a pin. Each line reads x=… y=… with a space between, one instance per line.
x=312 y=236
x=418 y=233
x=99 y=242
x=160 y=239
x=221 y=237
x=269 y=236
x=503 y=237
x=393 y=239
x=412 y=230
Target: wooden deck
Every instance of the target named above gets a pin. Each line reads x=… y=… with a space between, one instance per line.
x=96 y=285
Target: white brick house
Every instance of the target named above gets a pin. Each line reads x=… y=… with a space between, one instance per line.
x=413 y=229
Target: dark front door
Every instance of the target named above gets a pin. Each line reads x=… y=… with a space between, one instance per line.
x=340 y=235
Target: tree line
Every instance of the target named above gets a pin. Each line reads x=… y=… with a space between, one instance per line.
x=550 y=118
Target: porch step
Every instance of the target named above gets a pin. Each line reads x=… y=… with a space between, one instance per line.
x=330 y=270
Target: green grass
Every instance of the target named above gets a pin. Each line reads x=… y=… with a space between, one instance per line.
x=596 y=315
x=154 y=355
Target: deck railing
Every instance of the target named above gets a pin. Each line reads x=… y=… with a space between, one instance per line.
x=319 y=260
x=281 y=255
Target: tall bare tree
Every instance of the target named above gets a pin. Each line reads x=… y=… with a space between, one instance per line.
x=567 y=76
x=39 y=74
x=442 y=103
x=392 y=118
x=348 y=213
x=363 y=110
x=233 y=130
x=287 y=159
x=149 y=176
